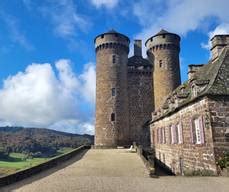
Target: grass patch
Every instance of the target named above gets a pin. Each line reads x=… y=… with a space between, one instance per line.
x=18 y=161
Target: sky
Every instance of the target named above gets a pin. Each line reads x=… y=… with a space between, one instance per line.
x=47 y=56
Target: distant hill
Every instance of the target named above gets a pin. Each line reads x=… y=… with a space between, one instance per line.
x=39 y=141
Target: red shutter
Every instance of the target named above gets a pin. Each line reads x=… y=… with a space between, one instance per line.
x=191 y=131
x=201 y=129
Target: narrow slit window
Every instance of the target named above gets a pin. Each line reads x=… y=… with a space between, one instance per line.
x=113 y=92
x=113 y=59
x=112 y=117
x=160 y=63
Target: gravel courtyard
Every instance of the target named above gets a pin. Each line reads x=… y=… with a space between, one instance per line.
x=112 y=170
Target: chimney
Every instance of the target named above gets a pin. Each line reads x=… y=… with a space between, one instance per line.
x=218 y=43
x=192 y=69
x=137 y=47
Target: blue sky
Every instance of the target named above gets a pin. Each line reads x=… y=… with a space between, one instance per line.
x=47 y=59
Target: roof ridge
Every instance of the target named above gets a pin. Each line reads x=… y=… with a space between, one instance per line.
x=219 y=62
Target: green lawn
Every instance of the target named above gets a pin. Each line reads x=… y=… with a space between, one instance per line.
x=17 y=162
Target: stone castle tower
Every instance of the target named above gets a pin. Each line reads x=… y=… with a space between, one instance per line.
x=112 y=113
x=163 y=51
x=129 y=89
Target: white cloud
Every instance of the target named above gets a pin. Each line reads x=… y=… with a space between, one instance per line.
x=105 y=3
x=179 y=16
x=88 y=89
x=39 y=97
x=74 y=126
x=221 y=29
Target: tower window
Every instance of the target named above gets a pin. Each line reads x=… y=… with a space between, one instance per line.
x=163 y=36
x=112 y=117
x=113 y=59
x=102 y=36
x=113 y=92
x=160 y=63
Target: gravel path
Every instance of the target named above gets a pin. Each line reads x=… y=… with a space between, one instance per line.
x=112 y=170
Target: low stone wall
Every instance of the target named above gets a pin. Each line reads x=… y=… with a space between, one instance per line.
x=147 y=159
x=22 y=174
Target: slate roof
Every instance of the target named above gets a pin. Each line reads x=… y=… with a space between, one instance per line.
x=162 y=32
x=211 y=79
x=138 y=61
x=112 y=31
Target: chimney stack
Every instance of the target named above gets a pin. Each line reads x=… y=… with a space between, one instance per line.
x=137 y=47
x=192 y=69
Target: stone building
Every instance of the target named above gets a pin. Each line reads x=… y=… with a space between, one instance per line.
x=189 y=122
x=125 y=96
x=189 y=132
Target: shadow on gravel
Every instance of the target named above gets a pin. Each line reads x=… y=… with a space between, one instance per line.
x=161 y=171
x=44 y=173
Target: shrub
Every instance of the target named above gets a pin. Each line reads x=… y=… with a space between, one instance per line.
x=223 y=161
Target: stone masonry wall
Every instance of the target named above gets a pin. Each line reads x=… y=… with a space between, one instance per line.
x=187 y=156
x=163 y=51
x=111 y=73
x=219 y=113
x=140 y=104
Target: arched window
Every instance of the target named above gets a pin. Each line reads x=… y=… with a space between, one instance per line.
x=112 y=117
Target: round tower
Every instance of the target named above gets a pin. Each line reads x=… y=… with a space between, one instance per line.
x=112 y=114
x=163 y=50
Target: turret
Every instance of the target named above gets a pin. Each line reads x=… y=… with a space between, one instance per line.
x=112 y=118
x=163 y=51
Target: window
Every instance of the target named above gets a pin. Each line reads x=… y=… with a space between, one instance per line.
x=102 y=36
x=159 y=136
x=163 y=36
x=180 y=133
x=174 y=134
x=113 y=59
x=113 y=92
x=194 y=91
x=163 y=135
x=112 y=117
x=160 y=63
x=197 y=130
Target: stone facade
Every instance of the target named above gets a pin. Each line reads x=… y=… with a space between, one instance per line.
x=132 y=81
x=189 y=127
x=189 y=132
x=112 y=113
x=140 y=97
x=184 y=155
x=219 y=114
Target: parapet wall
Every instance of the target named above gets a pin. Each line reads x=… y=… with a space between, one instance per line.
x=20 y=175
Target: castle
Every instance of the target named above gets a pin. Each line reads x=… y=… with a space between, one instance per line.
x=142 y=100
